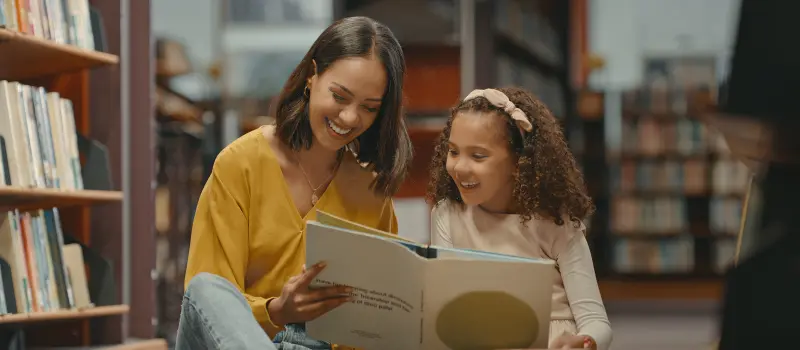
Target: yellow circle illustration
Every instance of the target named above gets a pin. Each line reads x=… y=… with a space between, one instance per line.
x=487 y=320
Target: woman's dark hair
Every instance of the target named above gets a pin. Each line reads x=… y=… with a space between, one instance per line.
x=385 y=146
x=548 y=184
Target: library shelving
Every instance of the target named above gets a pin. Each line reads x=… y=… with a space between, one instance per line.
x=24 y=56
x=670 y=209
x=587 y=141
x=57 y=288
x=182 y=145
x=530 y=46
x=13 y=197
x=47 y=316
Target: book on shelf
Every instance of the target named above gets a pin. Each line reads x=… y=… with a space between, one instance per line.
x=45 y=274
x=38 y=133
x=654 y=257
x=416 y=296
x=685 y=177
x=730 y=177
x=649 y=216
x=725 y=215
x=648 y=135
x=39 y=142
x=724 y=254
x=62 y=21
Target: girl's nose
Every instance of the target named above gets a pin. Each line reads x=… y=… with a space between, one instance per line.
x=461 y=168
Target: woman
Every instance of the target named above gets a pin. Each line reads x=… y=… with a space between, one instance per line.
x=339 y=144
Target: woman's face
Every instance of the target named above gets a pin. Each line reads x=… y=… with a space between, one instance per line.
x=345 y=100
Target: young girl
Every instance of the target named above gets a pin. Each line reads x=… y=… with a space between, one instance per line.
x=504 y=180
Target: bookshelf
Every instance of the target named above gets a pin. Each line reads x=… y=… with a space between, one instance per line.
x=508 y=40
x=42 y=198
x=51 y=197
x=669 y=210
x=97 y=311
x=587 y=140
x=529 y=42
x=181 y=143
x=23 y=56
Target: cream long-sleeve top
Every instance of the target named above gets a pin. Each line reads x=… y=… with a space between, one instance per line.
x=576 y=296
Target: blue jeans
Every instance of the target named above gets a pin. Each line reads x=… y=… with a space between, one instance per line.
x=216 y=316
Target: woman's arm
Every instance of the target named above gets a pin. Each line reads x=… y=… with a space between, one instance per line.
x=219 y=243
x=580 y=283
x=440 y=227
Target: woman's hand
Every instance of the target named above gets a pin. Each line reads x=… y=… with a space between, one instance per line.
x=572 y=341
x=298 y=303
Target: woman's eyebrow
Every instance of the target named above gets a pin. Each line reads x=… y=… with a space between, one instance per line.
x=374 y=99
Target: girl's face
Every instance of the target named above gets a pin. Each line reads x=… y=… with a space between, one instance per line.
x=480 y=162
x=344 y=101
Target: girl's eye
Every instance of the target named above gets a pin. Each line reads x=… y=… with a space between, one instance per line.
x=337 y=97
x=371 y=109
x=452 y=152
x=478 y=156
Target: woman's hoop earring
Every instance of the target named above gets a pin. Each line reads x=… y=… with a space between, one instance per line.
x=307 y=92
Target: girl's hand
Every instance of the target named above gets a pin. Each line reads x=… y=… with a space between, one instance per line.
x=298 y=303
x=572 y=341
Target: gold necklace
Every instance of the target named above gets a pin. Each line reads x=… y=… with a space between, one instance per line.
x=314 y=196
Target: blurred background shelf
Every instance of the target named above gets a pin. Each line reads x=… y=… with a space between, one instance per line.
x=678 y=288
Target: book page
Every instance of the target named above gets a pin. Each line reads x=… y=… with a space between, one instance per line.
x=487 y=304
x=471 y=254
x=387 y=278
x=333 y=220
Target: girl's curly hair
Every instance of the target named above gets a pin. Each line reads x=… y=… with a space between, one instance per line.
x=549 y=184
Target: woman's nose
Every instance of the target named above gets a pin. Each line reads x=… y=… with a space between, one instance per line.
x=348 y=117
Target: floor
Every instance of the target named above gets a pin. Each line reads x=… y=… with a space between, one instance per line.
x=662 y=326
x=649 y=326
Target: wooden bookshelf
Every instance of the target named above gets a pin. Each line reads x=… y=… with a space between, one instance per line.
x=24 y=57
x=94 y=218
x=148 y=344
x=59 y=315
x=42 y=198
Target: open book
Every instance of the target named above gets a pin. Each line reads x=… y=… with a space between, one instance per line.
x=412 y=296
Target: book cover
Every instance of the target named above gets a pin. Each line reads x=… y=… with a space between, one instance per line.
x=413 y=296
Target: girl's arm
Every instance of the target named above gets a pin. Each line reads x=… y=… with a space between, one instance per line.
x=440 y=227
x=580 y=283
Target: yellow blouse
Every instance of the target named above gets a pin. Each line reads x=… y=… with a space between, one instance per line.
x=248 y=230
